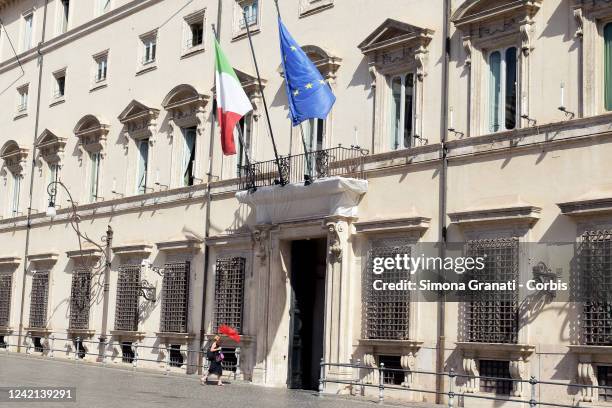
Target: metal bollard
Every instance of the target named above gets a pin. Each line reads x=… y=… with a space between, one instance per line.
x=532 y=402
x=358 y=377
x=51 y=352
x=322 y=377
x=381 y=383
x=76 y=349
x=135 y=359
x=27 y=343
x=167 y=359
x=451 y=388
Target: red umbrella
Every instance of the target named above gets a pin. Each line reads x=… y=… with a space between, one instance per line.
x=229 y=332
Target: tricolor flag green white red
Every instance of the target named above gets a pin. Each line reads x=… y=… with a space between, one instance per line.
x=232 y=101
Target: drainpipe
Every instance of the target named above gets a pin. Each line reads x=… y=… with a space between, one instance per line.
x=107 y=268
x=29 y=213
x=440 y=358
x=208 y=202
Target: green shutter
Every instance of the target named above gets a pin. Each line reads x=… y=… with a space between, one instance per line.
x=608 y=65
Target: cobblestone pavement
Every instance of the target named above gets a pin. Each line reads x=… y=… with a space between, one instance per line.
x=110 y=387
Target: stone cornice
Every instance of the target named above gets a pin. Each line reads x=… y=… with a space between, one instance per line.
x=140 y=249
x=44 y=258
x=584 y=349
x=525 y=215
x=587 y=207
x=463 y=16
x=11 y=261
x=238 y=239
x=404 y=344
x=408 y=224
x=511 y=351
x=84 y=253
x=180 y=245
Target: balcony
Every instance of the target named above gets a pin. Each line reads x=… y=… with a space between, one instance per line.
x=304 y=168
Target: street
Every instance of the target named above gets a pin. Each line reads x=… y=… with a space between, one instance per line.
x=110 y=387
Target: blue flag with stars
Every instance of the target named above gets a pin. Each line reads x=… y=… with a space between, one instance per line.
x=309 y=95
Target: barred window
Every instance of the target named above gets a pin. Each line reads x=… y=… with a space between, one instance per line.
x=496 y=371
x=175 y=298
x=229 y=292
x=387 y=312
x=393 y=373
x=595 y=259
x=126 y=307
x=6 y=285
x=492 y=317
x=80 y=296
x=39 y=299
x=604 y=379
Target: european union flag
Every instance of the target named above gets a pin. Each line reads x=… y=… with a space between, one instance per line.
x=308 y=93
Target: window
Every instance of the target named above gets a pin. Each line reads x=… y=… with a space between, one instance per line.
x=492 y=317
x=94 y=176
x=149 y=43
x=608 y=65
x=28 y=21
x=126 y=312
x=595 y=266
x=250 y=14
x=175 y=298
x=402 y=111
x=38 y=346
x=60 y=84
x=22 y=101
x=194 y=31
x=143 y=165
x=15 y=195
x=80 y=296
x=101 y=66
x=387 y=313
x=6 y=286
x=244 y=141
x=314 y=134
x=392 y=363
x=189 y=155
x=229 y=292
x=604 y=379
x=496 y=369
x=104 y=6
x=502 y=90
x=127 y=352
x=63 y=15
x=39 y=299
x=176 y=357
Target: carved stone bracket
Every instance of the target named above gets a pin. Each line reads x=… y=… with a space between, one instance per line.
x=579 y=18
x=586 y=376
x=518 y=371
x=335 y=247
x=14 y=157
x=408 y=362
x=370 y=361
x=472 y=383
x=50 y=146
x=260 y=242
x=139 y=121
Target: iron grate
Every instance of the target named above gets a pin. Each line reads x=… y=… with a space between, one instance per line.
x=498 y=370
x=491 y=316
x=229 y=292
x=604 y=379
x=595 y=261
x=80 y=297
x=387 y=313
x=39 y=299
x=175 y=298
x=6 y=286
x=126 y=306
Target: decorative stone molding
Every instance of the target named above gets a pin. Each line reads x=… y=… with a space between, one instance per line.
x=588 y=358
x=371 y=376
x=470 y=367
x=261 y=233
x=167 y=340
x=333 y=240
x=309 y=7
x=230 y=240
x=50 y=147
x=189 y=245
x=47 y=258
x=81 y=254
x=91 y=133
x=250 y=84
x=526 y=215
x=14 y=157
x=10 y=261
x=409 y=224
x=141 y=250
x=407 y=349
x=139 y=120
x=587 y=207
x=326 y=62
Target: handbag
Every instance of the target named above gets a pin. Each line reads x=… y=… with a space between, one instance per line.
x=220 y=357
x=210 y=355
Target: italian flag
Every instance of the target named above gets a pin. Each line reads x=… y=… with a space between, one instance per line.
x=232 y=101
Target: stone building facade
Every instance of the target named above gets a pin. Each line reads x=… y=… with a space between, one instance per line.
x=471 y=121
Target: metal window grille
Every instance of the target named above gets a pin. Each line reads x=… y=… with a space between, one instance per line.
x=492 y=317
x=230 y=361
x=604 y=379
x=176 y=358
x=595 y=260
x=80 y=296
x=175 y=298
x=39 y=299
x=6 y=285
x=128 y=289
x=80 y=349
x=3 y=342
x=38 y=347
x=127 y=352
x=229 y=292
x=387 y=313
x=498 y=370
x=391 y=375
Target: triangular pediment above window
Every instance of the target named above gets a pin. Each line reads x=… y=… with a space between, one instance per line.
x=249 y=82
x=392 y=33
x=50 y=146
x=137 y=110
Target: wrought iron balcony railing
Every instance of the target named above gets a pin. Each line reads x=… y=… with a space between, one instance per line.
x=306 y=167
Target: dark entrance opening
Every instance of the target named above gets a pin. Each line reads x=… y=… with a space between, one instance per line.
x=308 y=262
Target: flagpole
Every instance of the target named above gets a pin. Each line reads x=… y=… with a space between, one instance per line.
x=263 y=97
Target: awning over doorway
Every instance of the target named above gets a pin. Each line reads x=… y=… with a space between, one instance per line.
x=324 y=197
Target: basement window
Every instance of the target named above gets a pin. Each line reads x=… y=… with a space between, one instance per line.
x=497 y=370
x=392 y=374
x=176 y=358
x=38 y=347
x=80 y=349
x=127 y=353
x=604 y=379
x=230 y=362
x=3 y=343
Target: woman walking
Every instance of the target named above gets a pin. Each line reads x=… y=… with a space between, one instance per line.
x=215 y=357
